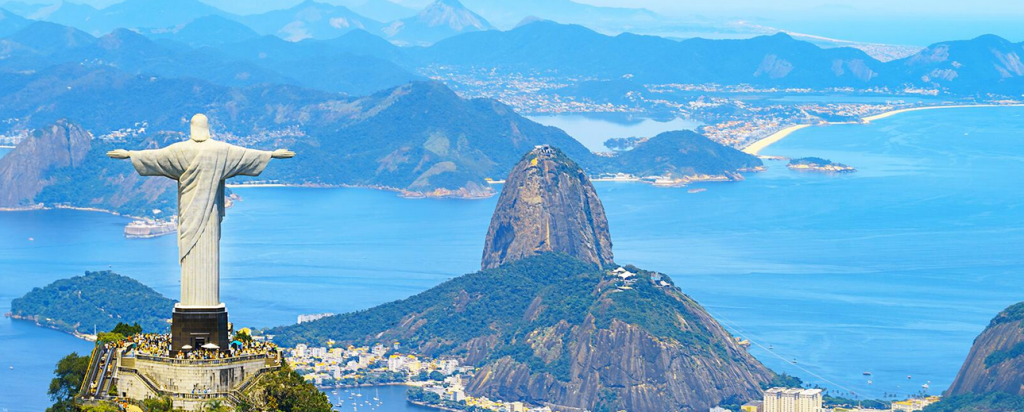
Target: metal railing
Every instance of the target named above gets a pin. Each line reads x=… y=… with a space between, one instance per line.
x=204 y=362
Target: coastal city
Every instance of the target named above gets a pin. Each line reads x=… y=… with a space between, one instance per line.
x=440 y=383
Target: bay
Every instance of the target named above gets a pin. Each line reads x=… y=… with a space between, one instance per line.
x=893 y=269
x=593 y=130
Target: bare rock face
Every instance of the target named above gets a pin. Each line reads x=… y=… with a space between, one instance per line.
x=547 y=205
x=61 y=164
x=996 y=360
x=24 y=171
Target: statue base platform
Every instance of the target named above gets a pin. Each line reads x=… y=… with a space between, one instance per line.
x=190 y=384
x=199 y=326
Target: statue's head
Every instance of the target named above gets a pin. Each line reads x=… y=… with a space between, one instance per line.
x=200 y=128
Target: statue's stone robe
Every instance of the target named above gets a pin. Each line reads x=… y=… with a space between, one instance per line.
x=200 y=169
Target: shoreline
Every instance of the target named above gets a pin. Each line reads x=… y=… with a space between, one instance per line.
x=83 y=336
x=763 y=143
x=443 y=194
x=60 y=207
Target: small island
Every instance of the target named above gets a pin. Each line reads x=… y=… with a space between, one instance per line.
x=622 y=144
x=817 y=164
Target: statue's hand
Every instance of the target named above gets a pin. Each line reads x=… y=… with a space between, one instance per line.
x=282 y=154
x=118 y=154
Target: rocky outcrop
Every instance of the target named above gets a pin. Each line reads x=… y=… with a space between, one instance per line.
x=626 y=367
x=61 y=165
x=26 y=170
x=551 y=320
x=996 y=360
x=547 y=205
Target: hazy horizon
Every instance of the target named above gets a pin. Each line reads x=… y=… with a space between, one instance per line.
x=869 y=21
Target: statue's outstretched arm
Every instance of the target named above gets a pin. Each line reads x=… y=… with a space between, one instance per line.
x=118 y=154
x=282 y=154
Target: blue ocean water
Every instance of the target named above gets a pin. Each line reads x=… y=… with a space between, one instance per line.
x=893 y=269
x=593 y=130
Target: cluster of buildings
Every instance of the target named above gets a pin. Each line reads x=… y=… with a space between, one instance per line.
x=627 y=278
x=452 y=390
x=811 y=400
x=326 y=366
x=123 y=134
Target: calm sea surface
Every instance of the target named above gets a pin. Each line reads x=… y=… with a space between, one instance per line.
x=893 y=269
x=593 y=131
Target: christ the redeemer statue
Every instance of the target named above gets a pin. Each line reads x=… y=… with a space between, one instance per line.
x=200 y=165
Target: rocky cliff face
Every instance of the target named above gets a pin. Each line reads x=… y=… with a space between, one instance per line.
x=61 y=164
x=996 y=360
x=26 y=170
x=547 y=205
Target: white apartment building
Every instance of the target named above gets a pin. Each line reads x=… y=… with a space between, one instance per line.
x=792 y=400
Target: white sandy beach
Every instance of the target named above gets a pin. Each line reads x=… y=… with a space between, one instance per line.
x=756 y=147
x=759 y=145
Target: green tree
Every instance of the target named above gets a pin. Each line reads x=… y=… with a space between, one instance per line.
x=103 y=407
x=243 y=337
x=163 y=404
x=216 y=406
x=67 y=382
x=107 y=337
x=126 y=329
x=286 y=391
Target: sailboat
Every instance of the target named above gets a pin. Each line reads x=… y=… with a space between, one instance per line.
x=376 y=394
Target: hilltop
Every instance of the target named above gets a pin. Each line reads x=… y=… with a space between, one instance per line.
x=552 y=320
x=547 y=205
x=97 y=300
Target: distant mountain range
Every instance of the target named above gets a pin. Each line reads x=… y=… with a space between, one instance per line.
x=42 y=45
x=440 y=20
x=310 y=20
x=507 y=14
x=307 y=20
x=420 y=138
x=456 y=35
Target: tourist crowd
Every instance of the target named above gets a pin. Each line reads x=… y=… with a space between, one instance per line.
x=153 y=344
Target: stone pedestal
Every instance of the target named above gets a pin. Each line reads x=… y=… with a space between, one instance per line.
x=198 y=326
